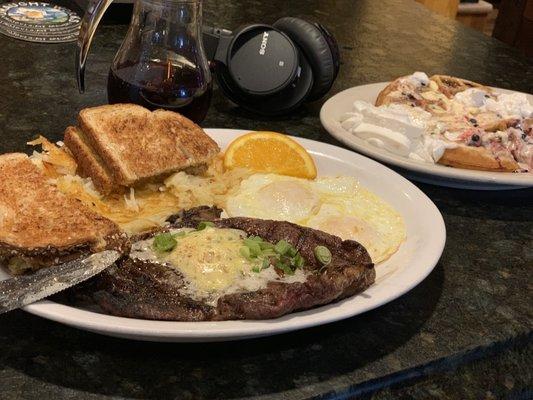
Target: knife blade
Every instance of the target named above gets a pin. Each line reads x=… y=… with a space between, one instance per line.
x=26 y=289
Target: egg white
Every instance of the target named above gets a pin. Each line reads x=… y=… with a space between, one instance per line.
x=336 y=205
x=276 y=197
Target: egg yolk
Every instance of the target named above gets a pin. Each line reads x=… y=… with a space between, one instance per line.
x=348 y=228
x=287 y=200
x=352 y=228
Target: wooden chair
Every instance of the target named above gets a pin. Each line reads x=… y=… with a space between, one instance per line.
x=474 y=15
x=514 y=24
x=447 y=8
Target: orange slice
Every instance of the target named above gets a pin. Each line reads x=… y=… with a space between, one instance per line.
x=270 y=152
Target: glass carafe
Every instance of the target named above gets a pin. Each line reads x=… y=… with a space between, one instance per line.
x=161 y=62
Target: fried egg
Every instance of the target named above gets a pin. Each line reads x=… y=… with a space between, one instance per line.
x=336 y=205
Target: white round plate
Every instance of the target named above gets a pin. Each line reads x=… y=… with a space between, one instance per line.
x=414 y=260
x=437 y=174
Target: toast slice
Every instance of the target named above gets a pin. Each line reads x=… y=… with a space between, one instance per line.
x=39 y=226
x=90 y=164
x=136 y=145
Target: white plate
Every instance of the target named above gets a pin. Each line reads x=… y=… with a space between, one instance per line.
x=404 y=270
x=342 y=102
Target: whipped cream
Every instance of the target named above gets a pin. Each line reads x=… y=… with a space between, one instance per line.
x=430 y=149
x=472 y=97
x=511 y=105
x=417 y=79
x=397 y=128
x=506 y=105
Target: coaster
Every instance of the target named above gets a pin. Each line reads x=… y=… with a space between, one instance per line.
x=39 y=22
x=4 y=20
x=38 y=29
x=48 y=38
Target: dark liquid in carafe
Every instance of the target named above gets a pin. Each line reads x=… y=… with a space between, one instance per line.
x=181 y=89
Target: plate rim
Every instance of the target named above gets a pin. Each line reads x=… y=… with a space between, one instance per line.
x=151 y=330
x=480 y=179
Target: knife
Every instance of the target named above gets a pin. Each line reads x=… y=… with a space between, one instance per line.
x=26 y=289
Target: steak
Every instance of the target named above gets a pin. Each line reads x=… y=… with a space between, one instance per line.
x=143 y=289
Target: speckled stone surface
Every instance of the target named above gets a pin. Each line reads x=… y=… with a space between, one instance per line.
x=472 y=316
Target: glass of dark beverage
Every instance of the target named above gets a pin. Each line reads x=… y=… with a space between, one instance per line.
x=161 y=62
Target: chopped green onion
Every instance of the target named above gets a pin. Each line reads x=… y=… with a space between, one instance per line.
x=164 y=242
x=179 y=234
x=268 y=253
x=255 y=251
x=291 y=252
x=245 y=252
x=282 y=255
x=323 y=255
x=265 y=245
x=253 y=245
x=286 y=268
x=282 y=247
x=298 y=261
x=204 y=224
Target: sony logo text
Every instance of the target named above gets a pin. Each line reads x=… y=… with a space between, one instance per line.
x=263 y=46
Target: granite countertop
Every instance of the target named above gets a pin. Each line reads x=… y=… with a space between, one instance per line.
x=464 y=332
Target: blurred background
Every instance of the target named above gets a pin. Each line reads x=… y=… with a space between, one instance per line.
x=510 y=21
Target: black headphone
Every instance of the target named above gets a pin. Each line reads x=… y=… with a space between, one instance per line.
x=273 y=69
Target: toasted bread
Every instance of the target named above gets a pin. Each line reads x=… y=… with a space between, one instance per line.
x=137 y=145
x=39 y=225
x=90 y=164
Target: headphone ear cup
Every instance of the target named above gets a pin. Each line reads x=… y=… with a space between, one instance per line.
x=321 y=53
x=276 y=104
x=269 y=83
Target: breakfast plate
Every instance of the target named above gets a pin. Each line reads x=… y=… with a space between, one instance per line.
x=338 y=105
x=411 y=264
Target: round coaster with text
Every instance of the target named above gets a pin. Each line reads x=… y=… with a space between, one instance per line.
x=12 y=24
x=39 y=22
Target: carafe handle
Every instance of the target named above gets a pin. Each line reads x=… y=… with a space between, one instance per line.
x=90 y=22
